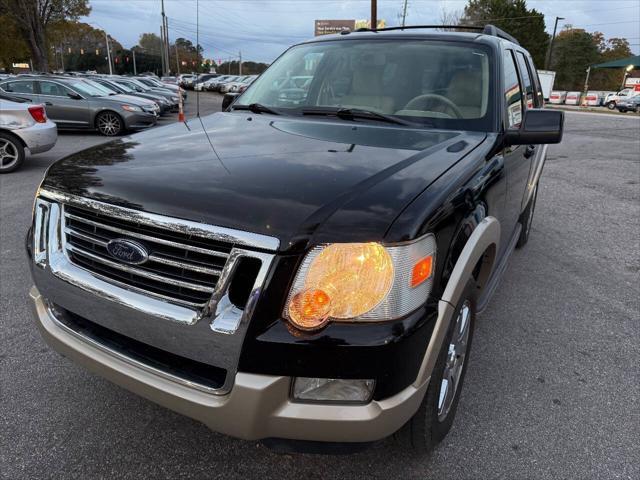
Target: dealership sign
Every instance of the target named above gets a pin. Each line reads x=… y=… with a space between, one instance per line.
x=327 y=27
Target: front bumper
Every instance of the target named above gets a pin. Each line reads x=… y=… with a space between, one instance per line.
x=137 y=120
x=257 y=407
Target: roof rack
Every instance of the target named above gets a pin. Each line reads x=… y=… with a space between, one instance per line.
x=486 y=30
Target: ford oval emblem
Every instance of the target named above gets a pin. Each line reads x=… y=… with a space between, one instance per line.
x=127 y=251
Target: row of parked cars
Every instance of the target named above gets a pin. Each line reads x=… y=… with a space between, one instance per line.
x=626 y=100
x=214 y=82
x=34 y=106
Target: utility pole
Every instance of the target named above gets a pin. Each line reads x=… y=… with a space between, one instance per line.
x=162 y=50
x=374 y=14
x=240 y=65
x=62 y=57
x=166 y=38
x=177 y=61
x=106 y=37
x=547 y=62
x=163 y=37
x=135 y=71
x=404 y=12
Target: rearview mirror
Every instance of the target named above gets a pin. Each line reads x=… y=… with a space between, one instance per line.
x=74 y=95
x=539 y=126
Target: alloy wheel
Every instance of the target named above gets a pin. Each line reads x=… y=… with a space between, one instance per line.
x=9 y=154
x=456 y=354
x=109 y=124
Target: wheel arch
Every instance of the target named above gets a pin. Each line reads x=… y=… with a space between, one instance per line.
x=106 y=110
x=476 y=260
x=14 y=136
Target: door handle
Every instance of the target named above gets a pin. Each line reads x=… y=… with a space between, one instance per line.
x=48 y=104
x=531 y=149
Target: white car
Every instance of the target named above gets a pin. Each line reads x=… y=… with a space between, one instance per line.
x=611 y=100
x=23 y=126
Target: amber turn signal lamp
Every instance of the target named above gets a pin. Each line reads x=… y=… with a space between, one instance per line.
x=310 y=308
x=422 y=270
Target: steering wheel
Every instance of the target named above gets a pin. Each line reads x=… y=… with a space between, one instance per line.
x=422 y=101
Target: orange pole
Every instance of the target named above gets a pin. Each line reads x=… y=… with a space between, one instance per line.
x=180 y=107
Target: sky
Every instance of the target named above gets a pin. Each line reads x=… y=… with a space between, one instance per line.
x=262 y=29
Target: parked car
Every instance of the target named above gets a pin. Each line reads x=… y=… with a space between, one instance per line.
x=153 y=82
x=23 y=126
x=630 y=104
x=216 y=86
x=140 y=87
x=182 y=79
x=612 y=100
x=76 y=103
x=163 y=103
x=234 y=86
x=557 y=97
x=320 y=280
x=170 y=80
x=190 y=82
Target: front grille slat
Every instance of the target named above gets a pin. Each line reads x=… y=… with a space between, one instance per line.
x=181 y=268
x=146 y=237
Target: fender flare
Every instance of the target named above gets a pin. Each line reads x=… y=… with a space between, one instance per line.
x=482 y=246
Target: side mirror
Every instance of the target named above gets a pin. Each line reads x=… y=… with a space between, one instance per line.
x=539 y=126
x=228 y=100
x=74 y=95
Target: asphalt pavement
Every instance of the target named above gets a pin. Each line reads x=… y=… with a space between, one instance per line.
x=552 y=390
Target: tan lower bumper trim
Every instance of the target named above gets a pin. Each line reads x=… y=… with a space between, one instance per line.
x=257 y=407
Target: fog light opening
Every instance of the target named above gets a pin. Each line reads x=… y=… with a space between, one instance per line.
x=332 y=390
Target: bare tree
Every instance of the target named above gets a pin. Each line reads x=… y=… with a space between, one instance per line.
x=32 y=17
x=449 y=17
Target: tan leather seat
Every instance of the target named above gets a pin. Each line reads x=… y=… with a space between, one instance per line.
x=367 y=92
x=465 y=90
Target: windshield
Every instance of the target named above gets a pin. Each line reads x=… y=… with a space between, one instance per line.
x=103 y=88
x=89 y=88
x=138 y=83
x=442 y=84
x=122 y=87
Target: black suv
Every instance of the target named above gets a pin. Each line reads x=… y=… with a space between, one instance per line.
x=308 y=266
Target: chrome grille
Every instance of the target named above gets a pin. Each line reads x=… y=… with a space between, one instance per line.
x=182 y=268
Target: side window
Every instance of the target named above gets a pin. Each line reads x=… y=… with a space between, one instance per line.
x=53 y=89
x=512 y=90
x=527 y=81
x=23 y=86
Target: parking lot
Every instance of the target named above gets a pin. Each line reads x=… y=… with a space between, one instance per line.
x=552 y=390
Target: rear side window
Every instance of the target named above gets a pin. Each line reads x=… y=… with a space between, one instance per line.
x=512 y=91
x=527 y=81
x=53 y=89
x=23 y=86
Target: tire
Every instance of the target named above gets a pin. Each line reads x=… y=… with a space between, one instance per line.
x=526 y=219
x=436 y=413
x=611 y=105
x=109 y=124
x=11 y=153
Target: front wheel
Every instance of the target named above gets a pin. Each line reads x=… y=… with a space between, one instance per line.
x=611 y=105
x=109 y=124
x=11 y=153
x=435 y=416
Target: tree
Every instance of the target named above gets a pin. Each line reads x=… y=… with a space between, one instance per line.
x=513 y=17
x=573 y=52
x=612 y=49
x=13 y=48
x=33 y=17
x=150 y=43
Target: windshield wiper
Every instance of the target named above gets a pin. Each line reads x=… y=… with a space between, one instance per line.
x=352 y=113
x=256 y=108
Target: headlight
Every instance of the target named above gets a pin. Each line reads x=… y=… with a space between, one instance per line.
x=175 y=99
x=131 y=108
x=351 y=282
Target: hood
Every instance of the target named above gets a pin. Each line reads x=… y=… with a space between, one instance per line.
x=133 y=99
x=296 y=179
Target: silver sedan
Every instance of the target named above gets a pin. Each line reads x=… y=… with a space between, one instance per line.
x=23 y=126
